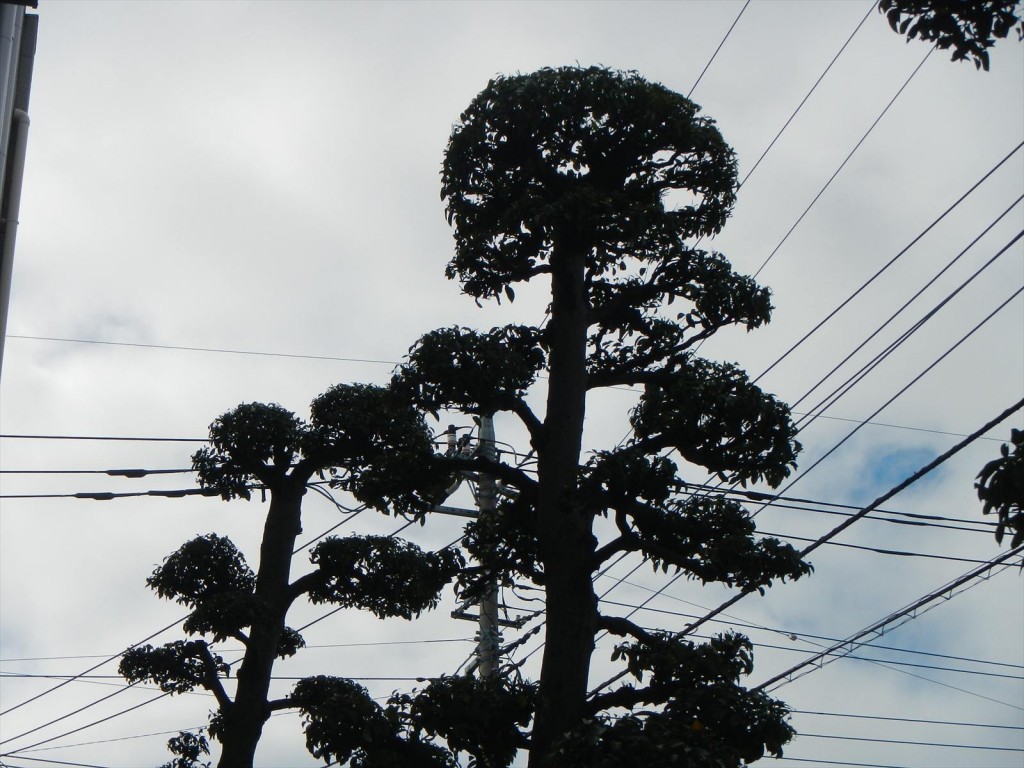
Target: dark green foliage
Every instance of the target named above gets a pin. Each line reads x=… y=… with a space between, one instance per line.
x=706 y=719
x=711 y=538
x=599 y=181
x=969 y=27
x=376 y=445
x=247 y=445
x=473 y=372
x=343 y=723
x=373 y=444
x=177 y=667
x=189 y=748
x=1001 y=487
x=205 y=567
x=481 y=717
x=588 y=154
x=384 y=575
x=714 y=417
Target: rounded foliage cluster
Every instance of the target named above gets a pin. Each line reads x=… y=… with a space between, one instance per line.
x=474 y=372
x=481 y=717
x=384 y=575
x=1001 y=486
x=244 y=443
x=377 y=445
x=200 y=569
x=576 y=155
x=715 y=417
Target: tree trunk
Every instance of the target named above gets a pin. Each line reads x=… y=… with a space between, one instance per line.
x=565 y=540
x=243 y=722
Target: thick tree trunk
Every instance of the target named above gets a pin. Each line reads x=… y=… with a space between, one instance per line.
x=564 y=530
x=243 y=722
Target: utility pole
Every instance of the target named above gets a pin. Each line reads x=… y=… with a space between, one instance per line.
x=489 y=632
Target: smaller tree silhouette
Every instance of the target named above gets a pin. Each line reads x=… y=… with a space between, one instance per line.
x=1001 y=487
x=969 y=27
x=370 y=446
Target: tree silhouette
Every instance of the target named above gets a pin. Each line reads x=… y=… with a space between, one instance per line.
x=969 y=27
x=598 y=182
x=374 y=448
x=1001 y=487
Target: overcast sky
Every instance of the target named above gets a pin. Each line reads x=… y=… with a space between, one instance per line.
x=264 y=177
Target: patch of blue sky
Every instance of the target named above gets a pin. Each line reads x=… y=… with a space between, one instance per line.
x=887 y=468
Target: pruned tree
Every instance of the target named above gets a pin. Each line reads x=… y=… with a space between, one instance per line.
x=969 y=27
x=1000 y=486
x=373 y=447
x=599 y=182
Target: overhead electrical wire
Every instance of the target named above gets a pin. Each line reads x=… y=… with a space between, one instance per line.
x=876 y=740
x=803 y=101
x=868 y=367
x=880 y=627
x=883 y=662
x=807 y=637
x=843 y=164
x=222 y=351
x=885 y=267
x=929 y=467
x=907 y=720
x=817 y=462
x=715 y=54
x=917 y=294
x=938 y=461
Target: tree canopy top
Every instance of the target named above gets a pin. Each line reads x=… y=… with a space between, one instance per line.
x=580 y=158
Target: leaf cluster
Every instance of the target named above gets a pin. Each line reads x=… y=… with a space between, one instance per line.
x=479 y=373
x=382 y=574
x=373 y=443
x=250 y=443
x=711 y=538
x=969 y=27
x=481 y=717
x=1000 y=486
x=177 y=667
x=189 y=748
x=578 y=155
x=342 y=723
x=704 y=719
x=715 y=417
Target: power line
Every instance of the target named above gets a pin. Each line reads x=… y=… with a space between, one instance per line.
x=868 y=367
x=831 y=534
x=806 y=97
x=907 y=386
x=713 y=55
x=109 y=437
x=218 y=350
x=131 y=473
x=109 y=495
x=880 y=627
x=882 y=662
x=907 y=720
x=912 y=743
x=806 y=637
x=833 y=398
x=880 y=500
x=81 y=728
x=841 y=762
x=843 y=164
x=889 y=263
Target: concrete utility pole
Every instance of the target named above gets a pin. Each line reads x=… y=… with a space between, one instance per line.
x=17 y=54
x=489 y=632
